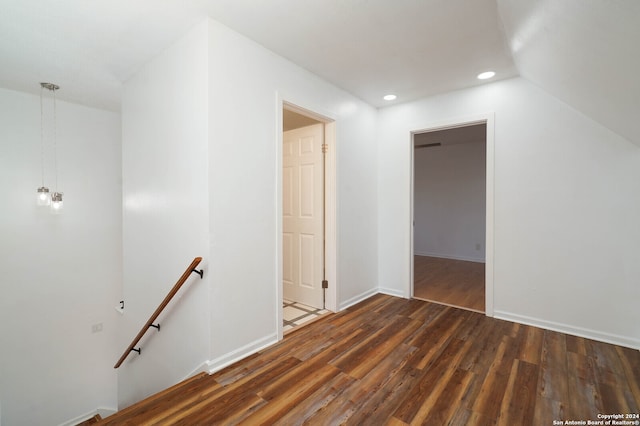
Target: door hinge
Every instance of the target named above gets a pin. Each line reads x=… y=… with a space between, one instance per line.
x=325 y=148
x=325 y=284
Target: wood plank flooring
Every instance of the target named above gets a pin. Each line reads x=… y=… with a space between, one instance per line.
x=392 y=361
x=452 y=282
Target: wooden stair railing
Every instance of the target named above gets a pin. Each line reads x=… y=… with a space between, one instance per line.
x=191 y=268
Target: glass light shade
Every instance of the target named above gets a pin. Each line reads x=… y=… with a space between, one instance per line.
x=56 y=203
x=43 y=196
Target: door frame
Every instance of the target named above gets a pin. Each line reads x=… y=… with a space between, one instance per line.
x=488 y=119
x=330 y=255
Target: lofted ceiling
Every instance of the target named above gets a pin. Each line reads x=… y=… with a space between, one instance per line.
x=582 y=51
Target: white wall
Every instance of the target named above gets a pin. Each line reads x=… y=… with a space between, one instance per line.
x=566 y=209
x=245 y=82
x=60 y=274
x=165 y=188
x=449 y=201
x=200 y=148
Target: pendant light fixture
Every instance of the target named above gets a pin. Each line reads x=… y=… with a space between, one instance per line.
x=45 y=198
x=56 y=203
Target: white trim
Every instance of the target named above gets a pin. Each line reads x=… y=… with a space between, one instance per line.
x=615 y=339
x=300 y=106
x=412 y=220
x=104 y=412
x=449 y=256
x=490 y=215
x=278 y=214
x=391 y=292
x=234 y=356
x=358 y=298
x=489 y=119
x=331 y=209
x=202 y=368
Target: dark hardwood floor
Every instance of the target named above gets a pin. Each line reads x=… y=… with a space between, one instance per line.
x=392 y=361
x=452 y=282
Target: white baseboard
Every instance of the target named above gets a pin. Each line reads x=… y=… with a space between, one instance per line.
x=358 y=298
x=449 y=256
x=615 y=339
x=202 y=368
x=392 y=292
x=227 y=359
x=104 y=412
x=223 y=361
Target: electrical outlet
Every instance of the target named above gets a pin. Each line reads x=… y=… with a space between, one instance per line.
x=478 y=246
x=96 y=328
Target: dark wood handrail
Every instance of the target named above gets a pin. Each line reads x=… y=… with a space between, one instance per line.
x=191 y=268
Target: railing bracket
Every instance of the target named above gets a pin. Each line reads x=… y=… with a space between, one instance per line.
x=150 y=323
x=139 y=350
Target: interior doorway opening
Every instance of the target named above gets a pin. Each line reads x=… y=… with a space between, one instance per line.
x=449 y=215
x=308 y=217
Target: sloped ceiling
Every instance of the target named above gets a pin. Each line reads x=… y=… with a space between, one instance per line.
x=413 y=48
x=88 y=48
x=582 y=51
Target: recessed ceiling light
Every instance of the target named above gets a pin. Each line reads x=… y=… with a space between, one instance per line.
x=485 y=75
x=389 y=97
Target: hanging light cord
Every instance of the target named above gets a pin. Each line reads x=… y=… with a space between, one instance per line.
x=42 y=135
x=55 y=137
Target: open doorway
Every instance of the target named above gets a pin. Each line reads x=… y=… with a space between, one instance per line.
x=449 y=216
x=304 y=217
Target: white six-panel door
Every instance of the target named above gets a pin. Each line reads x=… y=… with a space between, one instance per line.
x=303 y=226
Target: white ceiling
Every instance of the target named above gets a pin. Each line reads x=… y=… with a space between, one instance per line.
x=412 y=48
x=585 y=52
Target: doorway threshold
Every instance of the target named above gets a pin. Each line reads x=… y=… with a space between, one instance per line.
x=450 y=305
x=296 y=315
